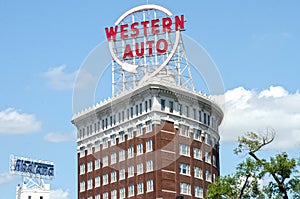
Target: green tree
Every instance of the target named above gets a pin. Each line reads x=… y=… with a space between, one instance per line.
x=244 y=183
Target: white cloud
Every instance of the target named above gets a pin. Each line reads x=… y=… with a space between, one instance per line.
x=59 y=194
x=6 y=178
x=248 y=110
x=59 y=79
x=12 y=121
x=59 y=137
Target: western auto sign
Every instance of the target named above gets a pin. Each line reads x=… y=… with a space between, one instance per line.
x=144 y=32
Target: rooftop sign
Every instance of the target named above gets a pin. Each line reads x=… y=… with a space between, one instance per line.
x=31 y=168
x=137 y=37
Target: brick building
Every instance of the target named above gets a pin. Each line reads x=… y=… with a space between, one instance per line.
x=153 y=142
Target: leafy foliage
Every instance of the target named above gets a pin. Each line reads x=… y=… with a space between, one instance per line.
x=281 y=171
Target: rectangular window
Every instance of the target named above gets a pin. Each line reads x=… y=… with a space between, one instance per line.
x=113 y=140
x=185 y=188
x=149 y=185
x=198 y=191
x=113 y=176
x=82 y=152
x=146 y=106
x=90 y=149
x=105 y=195
x=90 y=184
x=149 y=146
x=140 y=168
x=105 y=161
x=207 y=157
x=98 y=196
x=130 y=171
x=114 y=119
x=82 y=186
x=123 y=116
x=98 y=125
x=130 y=190
x=149 y=166
x=122 y=136
x=197 y=134
x=113 y=158
x=208 y=120
x=163 y=104
x=105 y=179
x=140 y=188
x=121 y=155
x=97 y=163
x=97 y=181
x=184 y=150
x=184 y=131
x=184 y=169
x=187 y=111
x=194 y=111
x=204 y=118
x=149 y=126
x=130 y=133
x=171 y=106
x=111 y=120
x=140 y=149
x=198 y=172
x=119 y=118
x=141 y=108
x=131 y=112
x=128 y=114
x=214 y=161
x=113 y=194
x=214 y=177
x=90 y=166
x=130 y=152
x=105 y=143
x=102 y=124
x=122 y=193
x=82 y=169
x=207 y=176
x=139 y=130
x=97 y=146
x=136 y=110
x=122 y=174
x=180 y=109
x=197 y=154
x=150 y=104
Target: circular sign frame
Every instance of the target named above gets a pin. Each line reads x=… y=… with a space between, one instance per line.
x=132 y=68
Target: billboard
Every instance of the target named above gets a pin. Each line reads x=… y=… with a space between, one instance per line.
x=32 y=168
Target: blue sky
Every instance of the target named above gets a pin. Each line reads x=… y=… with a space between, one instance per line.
x=255 y=45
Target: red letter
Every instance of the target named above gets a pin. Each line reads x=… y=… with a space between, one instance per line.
x=124 y=31
x=128 y=52
x=150 y=44
x=161 y=51
x=135 y=30
x=155 y=26
x=111 y=33
x=145 y=23
x=166 y=24
x=139 y=54
x=179 y=22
